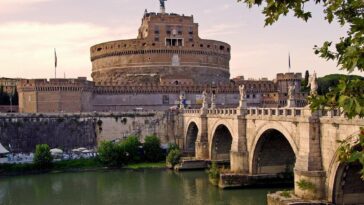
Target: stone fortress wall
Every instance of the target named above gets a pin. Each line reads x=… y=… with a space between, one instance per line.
x=167 y=46
x=71 y=130
x=80 y=95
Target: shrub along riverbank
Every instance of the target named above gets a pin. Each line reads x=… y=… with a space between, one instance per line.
x=126 y=154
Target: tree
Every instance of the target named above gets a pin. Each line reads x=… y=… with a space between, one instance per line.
x=307 y=76
x=152 y=149
x=130 y=147
x=110 y=154
x=348 y=52
x=173 y=157
x=304 y=83
x=42 y=157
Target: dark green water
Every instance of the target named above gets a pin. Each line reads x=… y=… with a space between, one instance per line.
x=122 y=187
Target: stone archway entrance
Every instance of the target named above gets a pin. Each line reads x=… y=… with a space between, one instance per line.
x=191 y=137
x=273 y=154
x=221 y=143
x=349 y=187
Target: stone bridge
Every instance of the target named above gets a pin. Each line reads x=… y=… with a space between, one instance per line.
x=266 y=141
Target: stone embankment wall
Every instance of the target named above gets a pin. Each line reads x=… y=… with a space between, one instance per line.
x=68 y=131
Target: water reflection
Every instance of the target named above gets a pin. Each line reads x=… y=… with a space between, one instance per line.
x=122 y=187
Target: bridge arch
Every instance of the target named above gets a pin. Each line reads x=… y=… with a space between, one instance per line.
x=191 y=137
x=221 y=142
x=344 y=183
x=273 y=150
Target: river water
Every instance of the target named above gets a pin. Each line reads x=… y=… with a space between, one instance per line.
x=154 y=187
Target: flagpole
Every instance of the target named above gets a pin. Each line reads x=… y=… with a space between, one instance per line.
x=55 y=63
x=289 y=61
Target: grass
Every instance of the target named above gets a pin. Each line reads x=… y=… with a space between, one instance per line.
x=68 y=165
x=77 y=164
x=146 y=165
x=286 y=194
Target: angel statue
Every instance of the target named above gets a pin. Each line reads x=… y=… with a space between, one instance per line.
x=242 y=92
x=163 y=5
x=291 y=91
x=204 y=99
x=312 y=83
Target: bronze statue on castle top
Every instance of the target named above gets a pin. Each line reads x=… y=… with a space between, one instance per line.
x=163 y=5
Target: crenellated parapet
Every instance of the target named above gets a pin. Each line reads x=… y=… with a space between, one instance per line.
x=55 y=95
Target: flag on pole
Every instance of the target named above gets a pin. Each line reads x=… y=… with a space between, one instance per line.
x=289 y=62
x=55 y=63
x=55 y=58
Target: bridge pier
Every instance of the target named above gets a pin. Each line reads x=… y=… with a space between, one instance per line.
x=202 y=150
x=239 y=162
x=310 y=184
x=308 y=173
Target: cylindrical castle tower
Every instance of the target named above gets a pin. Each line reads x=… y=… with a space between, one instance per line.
x=167 y=50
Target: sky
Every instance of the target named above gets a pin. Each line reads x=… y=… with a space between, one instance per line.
x=31 y=29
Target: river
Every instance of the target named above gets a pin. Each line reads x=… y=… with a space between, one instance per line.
x=154 y=187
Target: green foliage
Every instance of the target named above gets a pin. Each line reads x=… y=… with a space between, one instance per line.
x=286 y=194
x=174 y=157
x=214 y=172
x=348 y=96
x=326 y=83
x=352 y=150
x=130 y=149
x=42 y=157
x=152 y=149
x=147 y=165
x=304 y=82
x=77 y=164
x=110 y=154
x=306 y=185
x=172 y=146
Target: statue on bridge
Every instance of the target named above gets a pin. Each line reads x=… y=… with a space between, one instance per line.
x=312 y=83
x=291 y=91
x=163 y=6
x=213 y=101
x=242 y=92
x=182 y=100
x=204 y=100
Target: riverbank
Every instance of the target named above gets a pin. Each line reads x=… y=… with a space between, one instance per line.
x=78 y=165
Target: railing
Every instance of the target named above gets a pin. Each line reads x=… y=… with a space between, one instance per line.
x=275 y=111
x=191 y=111
x=253 y=111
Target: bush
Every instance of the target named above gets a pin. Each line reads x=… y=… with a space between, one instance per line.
x=173 y=157
x=214 y=173
x=172 y=146
x=130 y=149
x=42 y=157
x=306 y=185
x=152 y=149
x=110 y=154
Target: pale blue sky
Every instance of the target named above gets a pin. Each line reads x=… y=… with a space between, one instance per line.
x=30 y=29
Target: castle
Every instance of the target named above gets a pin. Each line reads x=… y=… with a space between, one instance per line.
x=167 y=59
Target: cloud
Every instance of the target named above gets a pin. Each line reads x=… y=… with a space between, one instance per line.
x=27 y=48
x=9 y=6
x=221 y=29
